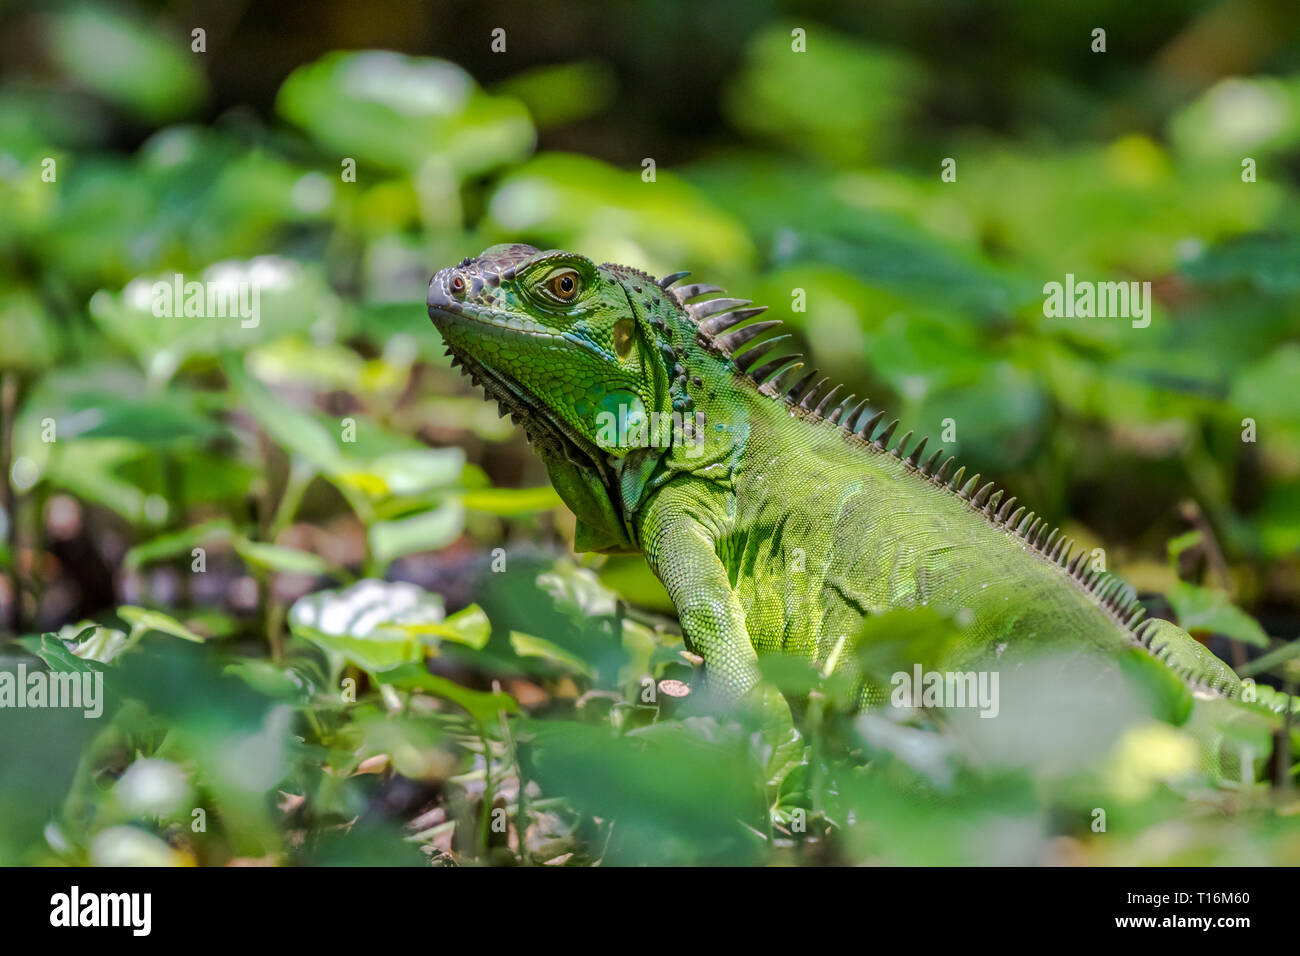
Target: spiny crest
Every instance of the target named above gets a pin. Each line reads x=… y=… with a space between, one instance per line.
x=720 y=324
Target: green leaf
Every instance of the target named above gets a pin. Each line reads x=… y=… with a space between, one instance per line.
x=1278 y=520
x=266 y=297
x=1265 y=390
x=526 y=645
x=510 y=502
x=30 y=337
x=175 y=543
x=374 y=652
x=562 y=93
x=274 y=557
x=781 y=746
x=102 y=644
x=469 y=626
x=416 y=471
x=1270 y=263
x=59 y=657
x=1257 y=116
x=288 y=427
x=404 y=112
x=282 y=682
x=158 y=421
x=483 y=706
x=424 y=531
x=577 y=202
x=578 y=590
x=149 y=71
x=1274 y=660
x=1208 y=611
x=872 y=87
x=898 y=640
x=681 y=791
x=91 y=469
x=107 y=404
x=143 y=620
x=370 y=623
x=1176 y=546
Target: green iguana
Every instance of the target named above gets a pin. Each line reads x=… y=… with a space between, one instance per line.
x=783 y=474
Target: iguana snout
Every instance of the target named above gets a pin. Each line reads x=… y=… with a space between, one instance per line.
x=450 y=288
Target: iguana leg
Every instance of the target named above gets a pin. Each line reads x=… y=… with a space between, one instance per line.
x=682 y=553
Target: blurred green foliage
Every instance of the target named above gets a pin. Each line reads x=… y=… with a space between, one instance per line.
x=255 y=532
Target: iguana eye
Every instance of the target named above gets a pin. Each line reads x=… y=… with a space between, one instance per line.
x=564 y=285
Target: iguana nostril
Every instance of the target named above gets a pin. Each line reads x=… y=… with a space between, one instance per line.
x=458 y=284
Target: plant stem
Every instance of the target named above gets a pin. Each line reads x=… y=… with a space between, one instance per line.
x=295 y=486
x=485 y=817
x=8 y=412
x=1282 y=743
x=174 y=482
x=267 y=517
x=816 y=708
x=521 y=802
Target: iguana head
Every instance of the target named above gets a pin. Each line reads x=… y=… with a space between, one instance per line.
x=558 y=340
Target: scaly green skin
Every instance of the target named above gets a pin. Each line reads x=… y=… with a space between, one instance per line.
x=789 y=523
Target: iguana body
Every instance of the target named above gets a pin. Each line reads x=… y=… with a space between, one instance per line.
x=799 y=514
